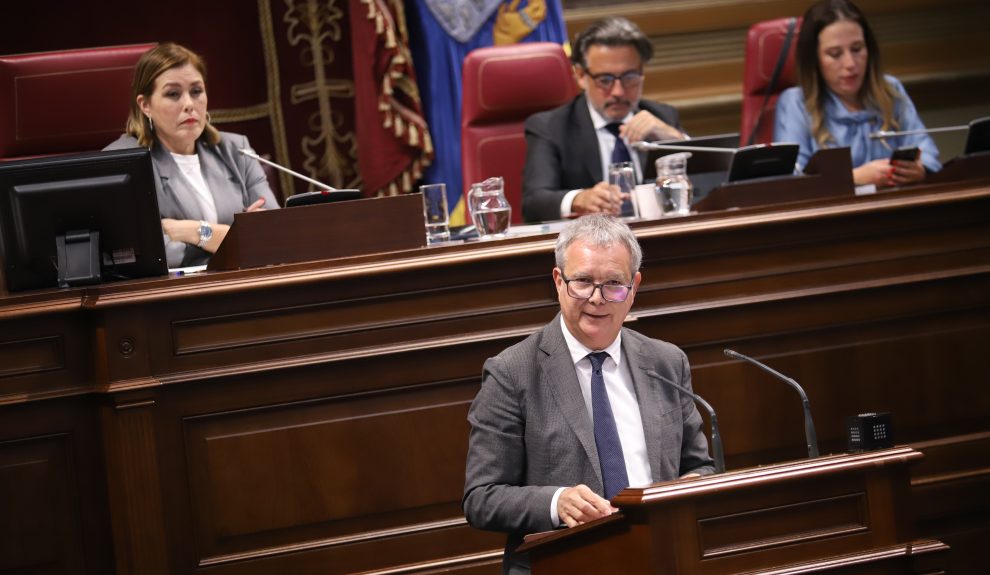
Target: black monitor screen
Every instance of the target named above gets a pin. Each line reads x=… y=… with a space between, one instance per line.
x=79 y=219
x=978 y=139
x=763 y=161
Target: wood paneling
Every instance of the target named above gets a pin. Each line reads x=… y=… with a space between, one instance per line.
x=311 y=418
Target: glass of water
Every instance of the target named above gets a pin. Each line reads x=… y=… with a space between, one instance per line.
x=435 y=212
x=623 y=176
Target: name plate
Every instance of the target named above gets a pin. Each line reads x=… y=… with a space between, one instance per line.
x=322 y=231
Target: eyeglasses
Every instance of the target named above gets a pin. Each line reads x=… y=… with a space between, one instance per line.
x=630 y=79
x=584 y=289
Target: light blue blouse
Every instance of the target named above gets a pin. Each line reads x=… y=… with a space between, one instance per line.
x=793 y=124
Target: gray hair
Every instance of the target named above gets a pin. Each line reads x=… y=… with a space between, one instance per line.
x=599 y=230
x=614 y=31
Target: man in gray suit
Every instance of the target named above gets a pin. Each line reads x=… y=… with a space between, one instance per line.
x=559 y=427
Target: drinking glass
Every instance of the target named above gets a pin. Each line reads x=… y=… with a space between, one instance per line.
x=435 y=212
x=623 y=176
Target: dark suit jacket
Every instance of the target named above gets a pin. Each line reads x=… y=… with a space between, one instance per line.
x=531 y=433
x=562 y=155
x=235 y=181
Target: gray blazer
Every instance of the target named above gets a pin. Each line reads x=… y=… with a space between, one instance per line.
x=235 y=180
x=531 y=433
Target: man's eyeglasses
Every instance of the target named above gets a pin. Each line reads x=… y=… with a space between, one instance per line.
x=584 y=289
x=630 y=79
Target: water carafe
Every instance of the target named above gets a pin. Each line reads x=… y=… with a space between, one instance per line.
x=674 y=189
x=489 y=209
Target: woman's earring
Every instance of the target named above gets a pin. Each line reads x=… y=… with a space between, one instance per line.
x=208 y=120
x=151 y=124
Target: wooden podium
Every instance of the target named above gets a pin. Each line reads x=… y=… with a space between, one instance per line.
x=834 y=514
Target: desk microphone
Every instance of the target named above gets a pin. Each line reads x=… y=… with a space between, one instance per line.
x=887 y=134
x=809 y=426
x=677 y=148
x=251 y=154
x=719 y=456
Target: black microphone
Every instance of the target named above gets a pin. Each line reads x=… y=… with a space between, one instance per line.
x=719 y=456
x=325 y=194
x=809 y=426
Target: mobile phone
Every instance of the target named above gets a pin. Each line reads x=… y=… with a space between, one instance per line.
x=908 y=154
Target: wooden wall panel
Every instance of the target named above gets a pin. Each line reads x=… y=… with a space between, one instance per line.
x=310 y=418
x=53 y=516
x=39 y=525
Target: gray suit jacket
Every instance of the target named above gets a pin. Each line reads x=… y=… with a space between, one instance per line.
x=531 y=433
x=235 y=180
x=562 y=155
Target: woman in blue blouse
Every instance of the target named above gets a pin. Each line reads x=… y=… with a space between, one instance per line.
x=844 y=96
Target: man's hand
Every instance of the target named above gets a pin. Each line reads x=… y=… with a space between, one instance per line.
x=601 y=198
x=579 y=504
x=644 y=126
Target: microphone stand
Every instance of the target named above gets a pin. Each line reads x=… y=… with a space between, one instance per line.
x=676 y=148
x=809 y=426
x=717 y=453
x=251 y=154
x=882 y=134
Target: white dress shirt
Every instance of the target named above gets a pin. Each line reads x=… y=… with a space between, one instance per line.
x=625 y=408
x=606 y=144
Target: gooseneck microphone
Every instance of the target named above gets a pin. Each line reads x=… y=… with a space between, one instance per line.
x=881 y=134
x=718 y=454
x=252 y=154
x=648 y=146
x=809 y=426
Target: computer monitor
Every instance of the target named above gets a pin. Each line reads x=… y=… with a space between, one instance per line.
x=978 y=138
x=79 y=219
x=763 y=161
x=701 y=162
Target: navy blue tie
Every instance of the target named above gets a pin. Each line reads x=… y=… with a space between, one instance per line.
x=620 y=153
x=610 y=457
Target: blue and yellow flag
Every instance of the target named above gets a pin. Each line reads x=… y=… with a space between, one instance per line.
x=442 y=32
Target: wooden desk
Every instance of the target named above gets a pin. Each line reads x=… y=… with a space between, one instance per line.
x=311 y=417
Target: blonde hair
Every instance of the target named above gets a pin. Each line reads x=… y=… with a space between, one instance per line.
x=875 y=93
x=150 y=66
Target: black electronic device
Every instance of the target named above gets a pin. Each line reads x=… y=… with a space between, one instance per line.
x=80 y=219
x=906 y=153
x=763 y=161
x=321 y=197
x=869 y=432
x=978 y=138
x=703 y=160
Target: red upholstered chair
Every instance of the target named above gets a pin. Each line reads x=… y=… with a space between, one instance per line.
x=763 y=45
x=69 y=101
x=503 y=85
